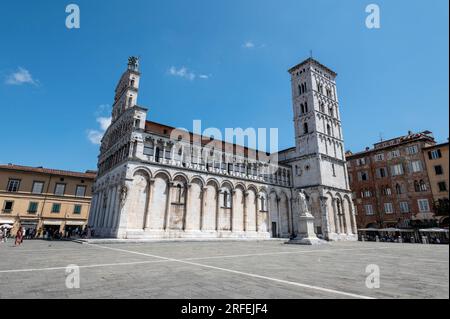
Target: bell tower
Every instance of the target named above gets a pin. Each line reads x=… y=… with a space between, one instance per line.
x=127 y=89
x=318 y=131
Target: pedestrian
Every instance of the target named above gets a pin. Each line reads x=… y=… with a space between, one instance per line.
x=19 y=237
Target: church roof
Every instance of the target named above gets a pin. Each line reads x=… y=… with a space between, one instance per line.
x=166 y=130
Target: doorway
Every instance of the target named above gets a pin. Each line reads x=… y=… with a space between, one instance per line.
x=274 y=230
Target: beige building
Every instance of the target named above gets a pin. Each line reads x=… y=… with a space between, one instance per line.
x=41 y=199
x=437 y=162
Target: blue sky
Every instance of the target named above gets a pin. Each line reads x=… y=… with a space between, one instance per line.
x=57 y=84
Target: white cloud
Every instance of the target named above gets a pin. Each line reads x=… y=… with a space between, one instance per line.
x=95 y=136
x=203 y=76
x=22 y=76
x=183 y=72
x=248 y=45
x=104 y=122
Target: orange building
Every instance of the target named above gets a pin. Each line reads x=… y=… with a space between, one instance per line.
x=44 y=200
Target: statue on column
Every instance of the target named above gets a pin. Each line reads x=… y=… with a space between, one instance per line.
x=306 y=234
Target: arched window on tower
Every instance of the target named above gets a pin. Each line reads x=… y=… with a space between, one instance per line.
x=300 y=90
x=305 y=128
x=328 y=129
x=132 y=83
x=302 y=109
x=130 y=101
x=306 y=107
x=330 y=111
x=398 y=189
x=322 y=107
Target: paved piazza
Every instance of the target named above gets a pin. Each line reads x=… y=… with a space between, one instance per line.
x=251 y=269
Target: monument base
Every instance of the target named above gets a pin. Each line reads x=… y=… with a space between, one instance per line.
x=307 y=241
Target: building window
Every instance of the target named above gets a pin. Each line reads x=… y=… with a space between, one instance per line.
x=363 y=176
x=434 y=154
x=423 y=186
x=328 y=129
x=148 y=150
x=13 y=185
x=81 y=191
x=442 y=186
x=379 y=157
x=366 y=193
x=38 y=187
x=416 y=166
x=56 y=208
x=424 y=206
x=414 y=149
x=32 y=208
x=7 y=208
x=334 y=170
x=397 y=170
x=305 y=128
x=368 y=209
x=77 y=209
x=404 y=207
x=381 y=172
x=386 y=191
x=398 y=189
x=361 y=161
x=395 y=153
x=60 y=189
x=438 y=169
x=388 y=208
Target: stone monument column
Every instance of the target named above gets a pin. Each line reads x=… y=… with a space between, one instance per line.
x=305 y=233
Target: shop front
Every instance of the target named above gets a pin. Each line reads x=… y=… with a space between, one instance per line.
x=52 y=229
x=73 y=229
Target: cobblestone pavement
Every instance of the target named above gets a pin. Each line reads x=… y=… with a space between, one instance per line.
x=258 y=269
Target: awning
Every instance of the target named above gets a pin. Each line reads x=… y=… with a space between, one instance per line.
x=434 y=230
x=75 y=223
x=29 y=222
x=6 y=221
x=53 y=222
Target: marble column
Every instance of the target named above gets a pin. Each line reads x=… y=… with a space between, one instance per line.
x=149 y=201
x=325 y=219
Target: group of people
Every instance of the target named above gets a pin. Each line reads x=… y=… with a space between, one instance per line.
x=4 y=234
x=48 y=234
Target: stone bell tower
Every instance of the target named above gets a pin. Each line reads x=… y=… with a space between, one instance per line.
x=127 y=89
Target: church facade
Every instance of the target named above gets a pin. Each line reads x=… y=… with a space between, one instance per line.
x=155 y=181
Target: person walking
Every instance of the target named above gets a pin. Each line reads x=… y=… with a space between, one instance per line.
x=19 y=237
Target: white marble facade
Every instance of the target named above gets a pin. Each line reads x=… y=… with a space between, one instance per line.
x=153 y=184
